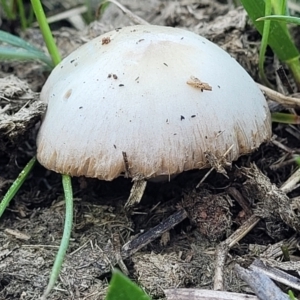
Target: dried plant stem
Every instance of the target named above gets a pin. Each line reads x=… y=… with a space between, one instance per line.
x=133 y=17
x=280 y=98
x=291 y=182
x=261 y=284
x=264 y=44
x=224 y=247
x=199 y=294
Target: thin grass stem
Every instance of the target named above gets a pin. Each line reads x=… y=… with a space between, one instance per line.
x=285 y=118
x=279 y=38
x=22 y=14
x=66 y=180
x=16 y=185
x=67 y=185
x=264 y=44
x=46 y=32
x=7 y=8
x=279 y=7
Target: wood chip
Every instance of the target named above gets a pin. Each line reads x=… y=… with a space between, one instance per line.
x=17 y=234
x=195 y=294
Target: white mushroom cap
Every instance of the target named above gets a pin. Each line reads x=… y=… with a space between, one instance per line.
x=126 y=92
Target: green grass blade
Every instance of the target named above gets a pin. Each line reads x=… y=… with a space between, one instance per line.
x=12 y=53
x=285 y=118
x=280 y=7
x=279 y=18
x=291 y=295
x=22 y=14
x=122 y=288
x=279 y=39
x=16 y=185
x=66 y=180
x=53 y=51
x=8 y=9
x=16 y=41
x=264 y=44
x=46 y=32
x=24 y=50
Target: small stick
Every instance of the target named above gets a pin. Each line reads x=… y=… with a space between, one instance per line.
x=204 y=177
x=273 y=273
x=110 y=259
x=282 y=75
x=240 y=200
x=70 y=15
x=197 y=294
x=133 y=17
x=117 y=251
x=280 y=98
x=141 y=241
x=262 y=285
x=216 y=164
x=224 y=247
x=288 y=185
x=281 y=164
x=221 y=255
x=282 y=146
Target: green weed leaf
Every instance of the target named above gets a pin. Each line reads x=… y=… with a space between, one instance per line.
x=122 y=288
x=280 y=18
x=279 y=38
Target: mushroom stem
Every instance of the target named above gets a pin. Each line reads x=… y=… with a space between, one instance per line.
x=16 y=185
x=67 y=185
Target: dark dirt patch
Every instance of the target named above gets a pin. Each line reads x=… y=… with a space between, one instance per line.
x=31 y=228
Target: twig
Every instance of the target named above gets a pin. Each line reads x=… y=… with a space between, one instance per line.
x=291 y=182
x=133 y=17
x=280 y=206
x=71 y=15
x=220 y=260
x=195 y=294
x=141 y=241
x=284 y=79
x=278 y=275
x=240 y=199
x=282 y=146
x=224 y=247
x=280 y=98
x=262 y=285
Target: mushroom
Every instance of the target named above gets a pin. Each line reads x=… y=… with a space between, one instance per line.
x=148 y=101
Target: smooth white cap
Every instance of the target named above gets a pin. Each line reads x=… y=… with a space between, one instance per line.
x=127 y=92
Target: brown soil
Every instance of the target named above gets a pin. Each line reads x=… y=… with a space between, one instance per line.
x=31 y=228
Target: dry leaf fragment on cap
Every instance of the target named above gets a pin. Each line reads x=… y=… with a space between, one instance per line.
x=195 y=82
